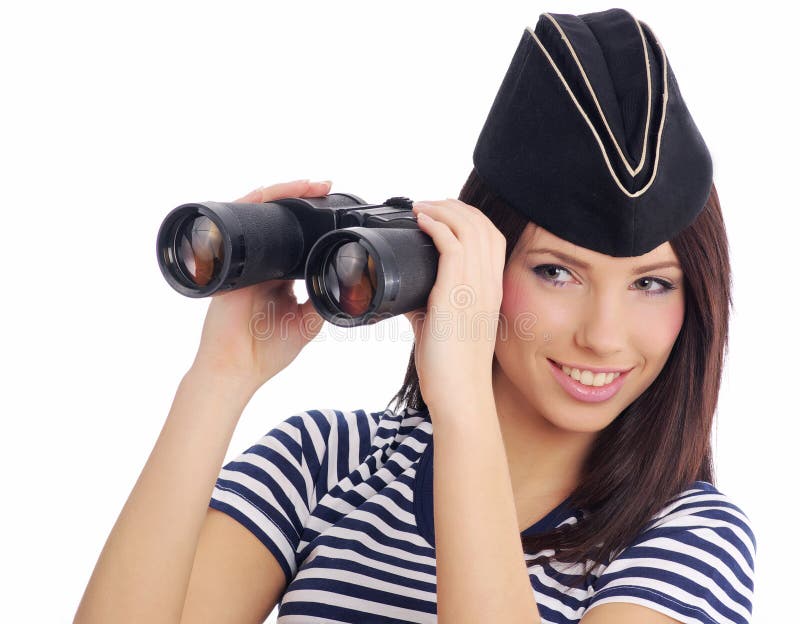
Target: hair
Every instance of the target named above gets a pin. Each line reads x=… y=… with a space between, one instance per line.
x=661 y=443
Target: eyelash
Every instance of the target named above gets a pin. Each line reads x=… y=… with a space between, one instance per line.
x=666 y=286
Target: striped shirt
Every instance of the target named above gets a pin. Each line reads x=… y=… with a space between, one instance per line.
x=344 y=502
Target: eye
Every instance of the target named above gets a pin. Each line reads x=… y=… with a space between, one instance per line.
x=548 y=272
x=664 y=285
x=648 y=285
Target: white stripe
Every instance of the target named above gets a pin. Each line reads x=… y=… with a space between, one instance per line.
x=333 y=455
x=315 y=433
x=354 y=441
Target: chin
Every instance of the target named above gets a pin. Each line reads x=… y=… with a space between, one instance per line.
x=590 y=423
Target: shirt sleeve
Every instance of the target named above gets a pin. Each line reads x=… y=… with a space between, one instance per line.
x=696 y=564
x=272 y=487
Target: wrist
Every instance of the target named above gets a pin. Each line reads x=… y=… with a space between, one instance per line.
x=478 y=400
x=236 y=389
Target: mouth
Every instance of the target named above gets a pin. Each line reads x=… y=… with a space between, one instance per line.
x=583 y=392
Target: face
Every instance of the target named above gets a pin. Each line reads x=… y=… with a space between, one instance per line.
x=595 y=311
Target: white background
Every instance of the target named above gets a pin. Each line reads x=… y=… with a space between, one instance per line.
x=114 y=113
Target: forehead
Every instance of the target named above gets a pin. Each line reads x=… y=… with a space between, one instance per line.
x=535 y=236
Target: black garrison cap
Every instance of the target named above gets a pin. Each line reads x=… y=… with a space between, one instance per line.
x=590 y=138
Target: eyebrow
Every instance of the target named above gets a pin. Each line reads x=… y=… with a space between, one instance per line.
x=583 y=265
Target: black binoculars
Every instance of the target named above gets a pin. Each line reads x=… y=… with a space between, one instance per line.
x=362 y=263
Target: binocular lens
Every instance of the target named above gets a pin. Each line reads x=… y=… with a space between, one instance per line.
x=199 y=249
x=350 y=278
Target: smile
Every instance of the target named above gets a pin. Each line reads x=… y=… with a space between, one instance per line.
x=588 y=393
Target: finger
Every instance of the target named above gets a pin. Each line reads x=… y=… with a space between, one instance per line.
x=493 y=243
x=296 y=188
x=318 y=189
x=451 y=251
x=472 y=230
x=460 y=222
x=257 y=195
x=466 y=213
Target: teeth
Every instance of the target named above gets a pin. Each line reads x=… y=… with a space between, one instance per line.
x=588 y=378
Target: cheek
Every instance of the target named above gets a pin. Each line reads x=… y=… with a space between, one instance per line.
x=657 y=327
x=514 y=298
x=526 y=300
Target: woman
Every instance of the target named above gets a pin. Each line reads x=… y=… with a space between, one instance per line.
x=550 y=460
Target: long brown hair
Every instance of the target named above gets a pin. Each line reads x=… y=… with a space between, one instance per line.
x=661 y=442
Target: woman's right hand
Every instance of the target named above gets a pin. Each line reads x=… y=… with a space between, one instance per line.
x=252 y=333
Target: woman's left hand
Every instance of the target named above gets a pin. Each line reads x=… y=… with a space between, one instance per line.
x=455 y=338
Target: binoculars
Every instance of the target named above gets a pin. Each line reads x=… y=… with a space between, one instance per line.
x=362 y=263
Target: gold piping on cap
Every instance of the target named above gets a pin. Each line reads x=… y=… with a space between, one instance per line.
x=665 y=97
x=646 y=56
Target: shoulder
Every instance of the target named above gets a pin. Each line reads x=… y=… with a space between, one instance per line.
x=703 y=527
x=358 y=429
x=703 y=510
x=323 y=422
x=694 y=559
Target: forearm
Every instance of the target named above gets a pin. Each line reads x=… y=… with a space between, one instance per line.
x=481 y=574
x=142 y=574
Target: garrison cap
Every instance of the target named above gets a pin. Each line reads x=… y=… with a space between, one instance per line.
x=589 y=137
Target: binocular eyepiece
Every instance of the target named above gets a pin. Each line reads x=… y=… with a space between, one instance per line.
x=362 y=263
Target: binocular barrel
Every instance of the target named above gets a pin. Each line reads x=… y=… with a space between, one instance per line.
x=362 y=263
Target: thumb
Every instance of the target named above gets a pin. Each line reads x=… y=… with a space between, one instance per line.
x=310 y=322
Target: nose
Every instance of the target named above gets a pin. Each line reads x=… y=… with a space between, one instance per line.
x=603 y=326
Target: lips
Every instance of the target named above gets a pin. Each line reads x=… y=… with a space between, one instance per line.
x=586 y=394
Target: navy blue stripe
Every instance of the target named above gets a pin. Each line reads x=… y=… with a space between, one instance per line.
x=343 y=450
x=364 y=434
x=341 y=614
